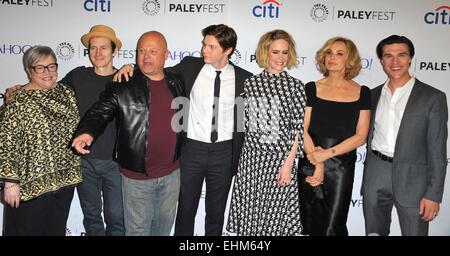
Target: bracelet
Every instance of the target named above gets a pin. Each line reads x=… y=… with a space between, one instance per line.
x=12 y=185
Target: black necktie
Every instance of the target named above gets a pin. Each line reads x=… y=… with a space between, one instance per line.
x=214 y=126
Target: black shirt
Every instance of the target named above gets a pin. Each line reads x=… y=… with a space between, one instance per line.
x=88 y=86
x=334 y=119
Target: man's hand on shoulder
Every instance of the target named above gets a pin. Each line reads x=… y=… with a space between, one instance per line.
x=126 y=71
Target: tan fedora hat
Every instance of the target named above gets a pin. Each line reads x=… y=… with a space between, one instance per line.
x=101 y=31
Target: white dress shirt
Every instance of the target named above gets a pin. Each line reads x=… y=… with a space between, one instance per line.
x=202 y=100
x=388 y=117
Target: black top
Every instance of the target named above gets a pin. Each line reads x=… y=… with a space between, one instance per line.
x=334 y=119
x=88 y=86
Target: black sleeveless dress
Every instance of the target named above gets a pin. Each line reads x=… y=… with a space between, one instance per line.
x=324 y=209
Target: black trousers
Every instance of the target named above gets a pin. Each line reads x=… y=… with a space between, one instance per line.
x=210 y=162
x=43 y=216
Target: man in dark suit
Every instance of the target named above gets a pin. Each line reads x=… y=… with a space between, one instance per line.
x=213 y=85
x=406 y=148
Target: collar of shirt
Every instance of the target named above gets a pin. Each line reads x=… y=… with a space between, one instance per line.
x=389 y=115
x=407 y=87
x=227 y=70
x=202 y=100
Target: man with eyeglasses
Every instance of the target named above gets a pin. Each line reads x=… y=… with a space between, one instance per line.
x=101 y=175
x=37 y=167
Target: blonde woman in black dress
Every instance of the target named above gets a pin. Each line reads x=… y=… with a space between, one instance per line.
x=336 y=123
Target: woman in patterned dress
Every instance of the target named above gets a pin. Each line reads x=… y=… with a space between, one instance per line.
x=336 y=123
x=37 y=164
x=265 y=196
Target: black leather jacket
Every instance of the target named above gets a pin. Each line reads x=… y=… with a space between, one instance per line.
x=129 y=103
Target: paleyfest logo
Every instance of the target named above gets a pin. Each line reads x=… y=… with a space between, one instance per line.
x=319 y=12
x=38 y=3
x=236 y=57
x=151 y=7
x=65 y=51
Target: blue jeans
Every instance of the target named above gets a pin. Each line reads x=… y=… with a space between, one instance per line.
x=150 y=205
x=101 y=177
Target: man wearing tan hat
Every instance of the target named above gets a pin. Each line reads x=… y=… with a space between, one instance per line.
x=101 y=175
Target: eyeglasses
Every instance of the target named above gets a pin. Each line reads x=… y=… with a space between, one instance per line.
x=39 y=69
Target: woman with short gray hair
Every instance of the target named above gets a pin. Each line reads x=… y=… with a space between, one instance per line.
x=37 y=165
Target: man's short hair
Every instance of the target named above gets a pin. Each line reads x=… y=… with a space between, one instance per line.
x=395 y=39
x=226 y=36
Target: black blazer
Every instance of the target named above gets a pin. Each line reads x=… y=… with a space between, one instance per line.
x=129 y=103
x=189 y=68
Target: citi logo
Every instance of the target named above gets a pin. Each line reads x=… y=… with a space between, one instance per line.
x=439 y=16
x=97 y=5
x=268 y=9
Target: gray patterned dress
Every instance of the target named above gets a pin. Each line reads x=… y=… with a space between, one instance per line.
x=274 y=111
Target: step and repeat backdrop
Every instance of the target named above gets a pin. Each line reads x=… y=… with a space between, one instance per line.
x=60 y=24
